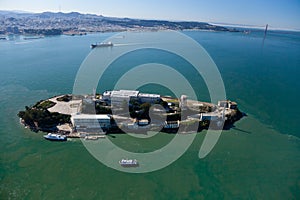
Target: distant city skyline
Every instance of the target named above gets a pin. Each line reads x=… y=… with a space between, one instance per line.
x=276 y=13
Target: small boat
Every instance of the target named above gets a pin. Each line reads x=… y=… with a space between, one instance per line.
x=55 y=137
x=94 y=137
x=129 y=163
x=103 y=44
x=91 y=138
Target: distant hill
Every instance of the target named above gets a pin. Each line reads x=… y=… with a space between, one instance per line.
x=74 y=22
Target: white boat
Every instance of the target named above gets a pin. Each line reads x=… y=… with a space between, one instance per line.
x=91 y=138
x=129 y=163
x=103 y=44
x=55 y=137
x=94 y=137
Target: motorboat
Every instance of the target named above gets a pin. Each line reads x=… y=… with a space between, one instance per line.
x=55 y=137
x=129 y=163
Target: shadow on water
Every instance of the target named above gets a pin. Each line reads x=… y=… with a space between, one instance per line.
x=241 y=130
x=112 y=136
x=232 y=126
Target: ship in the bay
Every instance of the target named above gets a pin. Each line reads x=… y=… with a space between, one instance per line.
x=55 y=137
x=129 y=163
x=102 y=44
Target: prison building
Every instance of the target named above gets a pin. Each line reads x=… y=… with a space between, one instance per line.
x=91 y=123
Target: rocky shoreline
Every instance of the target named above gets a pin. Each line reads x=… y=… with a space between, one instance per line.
x=54 y=115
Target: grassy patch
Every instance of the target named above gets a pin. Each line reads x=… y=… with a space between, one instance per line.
x=44 y=105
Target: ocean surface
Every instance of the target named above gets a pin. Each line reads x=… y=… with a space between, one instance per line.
x=259 y=158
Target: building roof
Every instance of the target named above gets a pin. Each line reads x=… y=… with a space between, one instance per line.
x=149 y=95
x=90 y=116
x=124 y=93
x=106 y=93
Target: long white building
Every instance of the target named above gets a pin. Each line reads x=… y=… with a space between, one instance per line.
x=119 y=96
x=91 y=123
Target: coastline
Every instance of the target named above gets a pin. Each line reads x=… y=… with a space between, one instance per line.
x=74 y=23
x=65 y=107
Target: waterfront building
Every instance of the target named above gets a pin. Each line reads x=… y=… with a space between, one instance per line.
x=91 y=123
x=171 y=124
x=143 y=122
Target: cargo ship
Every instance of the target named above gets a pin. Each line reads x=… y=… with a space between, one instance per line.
x=103 y=44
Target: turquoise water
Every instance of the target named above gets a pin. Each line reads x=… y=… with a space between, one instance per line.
x=257 y=159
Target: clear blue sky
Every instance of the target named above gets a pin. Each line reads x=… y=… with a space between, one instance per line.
x=276 y=13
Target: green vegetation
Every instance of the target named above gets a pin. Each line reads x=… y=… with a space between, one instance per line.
x=189 y=123
x=38 y=117
x=65 y=98
x=205 y=109
x=52 y=31
x=172 y=100
x=103 y=109
x=44 y=105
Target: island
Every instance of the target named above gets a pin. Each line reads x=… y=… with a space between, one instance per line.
x=121 y=111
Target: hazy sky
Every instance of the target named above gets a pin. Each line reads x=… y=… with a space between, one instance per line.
x=276 y=13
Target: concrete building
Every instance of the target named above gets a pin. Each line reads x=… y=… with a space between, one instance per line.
x=211 y=116
x=91 y=123
x=106 y=95
x=227 y=104
x=119 y=96
x=171 y=124
x=183 y=102
x=149 y=98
